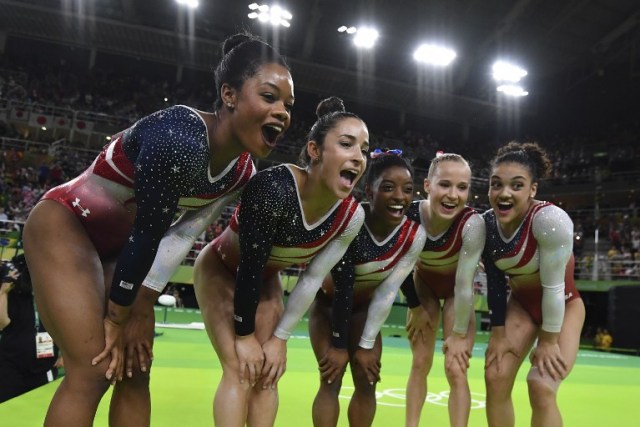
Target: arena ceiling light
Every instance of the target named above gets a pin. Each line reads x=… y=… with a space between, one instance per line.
x=434 y=54
x=364 y=37
x=275 y=15
x=191 y=4
x=512 y=90
x=348 y=30
x=507 y=72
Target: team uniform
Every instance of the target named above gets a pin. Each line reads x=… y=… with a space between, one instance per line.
x=371 y=272
x=269 y=233
x=127 y=199
x=544 y=236
x=448 y=262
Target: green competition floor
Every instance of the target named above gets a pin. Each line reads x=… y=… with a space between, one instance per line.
x=602 y=390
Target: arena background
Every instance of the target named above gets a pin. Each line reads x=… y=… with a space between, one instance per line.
x=74 y=72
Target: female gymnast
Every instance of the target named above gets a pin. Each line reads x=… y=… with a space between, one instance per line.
x=370 y=274
x=101 y=230
x=287 y=215
x=531 y=242
x=444 y=283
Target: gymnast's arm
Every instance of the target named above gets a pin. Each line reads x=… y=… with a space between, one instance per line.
x=386 y=292
x=553 y=231
x=179 y=239
x=473 y=239
x=311 y=279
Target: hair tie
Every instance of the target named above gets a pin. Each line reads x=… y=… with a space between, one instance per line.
x=439 y=153
x=385 y=152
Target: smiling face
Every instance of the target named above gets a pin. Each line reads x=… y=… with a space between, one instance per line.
x=263 y=108
x=391 y=194
x=511 y=191
x=448 y=189
x=342 y=156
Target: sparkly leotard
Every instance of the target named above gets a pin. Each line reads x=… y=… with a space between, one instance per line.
x=269 y=233
x=538 y=261
x=448 y=262
x=128 y=197
x=374 y=271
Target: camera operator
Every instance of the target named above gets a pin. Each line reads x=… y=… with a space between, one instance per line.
x=28 y=357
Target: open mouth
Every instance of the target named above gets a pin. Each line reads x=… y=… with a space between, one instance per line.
x=504 y=206
x=449 y=206
x=348 y=177
x=271 y=134
x=396 y=210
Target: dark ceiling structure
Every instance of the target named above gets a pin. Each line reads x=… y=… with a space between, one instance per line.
x=566 y=46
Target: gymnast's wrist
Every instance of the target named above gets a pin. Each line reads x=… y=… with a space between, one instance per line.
x=366 y=344
x=282 y=334
x=117 y=314
x=546 y=337
x=458 y=334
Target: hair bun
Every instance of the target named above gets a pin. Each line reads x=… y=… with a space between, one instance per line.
x=330 y=105
x=235 y=40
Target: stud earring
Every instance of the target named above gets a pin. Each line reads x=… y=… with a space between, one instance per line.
x=230 y=105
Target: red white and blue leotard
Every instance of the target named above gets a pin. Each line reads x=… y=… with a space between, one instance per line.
x=538 y=261
x=269 y=233
x=448 y=262
x=374 y=271
x=128 y=197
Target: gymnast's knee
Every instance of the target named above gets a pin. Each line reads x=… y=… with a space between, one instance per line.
x=542 y=389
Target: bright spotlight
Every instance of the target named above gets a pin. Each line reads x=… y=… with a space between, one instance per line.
x=512 y=90
x=365 y=37
x=191 y=4
x=275 y=15
x=434 y=55
x=506 y=72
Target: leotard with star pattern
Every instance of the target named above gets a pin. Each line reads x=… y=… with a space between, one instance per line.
x=372 y=271
x=269 y=233
x=128 y=198
x=539 y=262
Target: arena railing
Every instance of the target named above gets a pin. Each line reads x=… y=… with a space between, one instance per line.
x=89 y=128
x=594 y=268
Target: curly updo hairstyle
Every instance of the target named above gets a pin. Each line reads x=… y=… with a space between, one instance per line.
x=527 y=154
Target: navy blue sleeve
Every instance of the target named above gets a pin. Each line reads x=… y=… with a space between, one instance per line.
x=343 y=274
x=160 y=175
x=408 y=288
x=497 y=292
x=259 y=216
